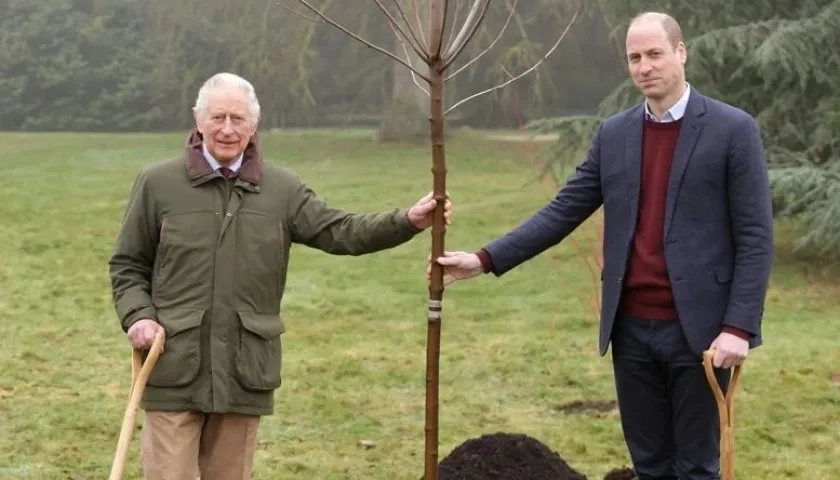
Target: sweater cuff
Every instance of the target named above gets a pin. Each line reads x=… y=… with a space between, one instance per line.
x=486 y=261
x=737 y=332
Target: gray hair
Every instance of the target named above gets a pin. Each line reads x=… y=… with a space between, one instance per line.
x=228 y=80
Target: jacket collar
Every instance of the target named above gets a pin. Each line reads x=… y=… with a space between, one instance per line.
x=199 y=169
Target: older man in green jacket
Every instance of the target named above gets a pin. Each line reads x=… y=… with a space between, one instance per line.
x=201 y=254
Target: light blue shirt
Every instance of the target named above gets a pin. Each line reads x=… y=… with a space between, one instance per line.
x=215 y=163
x=674 y=113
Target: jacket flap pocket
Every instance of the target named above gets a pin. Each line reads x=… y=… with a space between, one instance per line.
x=265 y=325
x=177 y=320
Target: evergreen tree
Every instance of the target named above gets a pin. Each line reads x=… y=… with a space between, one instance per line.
x=778 y=61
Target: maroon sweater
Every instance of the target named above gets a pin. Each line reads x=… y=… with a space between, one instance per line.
x=647 y=289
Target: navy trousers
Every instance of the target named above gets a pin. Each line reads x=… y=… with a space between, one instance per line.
x=668 y=411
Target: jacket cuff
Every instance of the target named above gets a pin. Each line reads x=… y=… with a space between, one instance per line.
x=404 y=223
x=139 y=314
x=486 y=261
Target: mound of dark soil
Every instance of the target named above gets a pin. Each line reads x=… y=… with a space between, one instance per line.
x=621 y=474
x=505 y=456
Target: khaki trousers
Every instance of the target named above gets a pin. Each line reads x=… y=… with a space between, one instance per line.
x=189 y=445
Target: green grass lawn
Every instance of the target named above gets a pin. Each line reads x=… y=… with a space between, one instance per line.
x=513 y=349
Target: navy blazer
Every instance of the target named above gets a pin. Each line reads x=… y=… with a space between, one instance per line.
x=718 y=220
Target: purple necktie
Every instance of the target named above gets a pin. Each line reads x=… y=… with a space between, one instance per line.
x=227 y=173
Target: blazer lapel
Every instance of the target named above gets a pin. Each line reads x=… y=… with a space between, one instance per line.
x=633 y=161
x=692 y=126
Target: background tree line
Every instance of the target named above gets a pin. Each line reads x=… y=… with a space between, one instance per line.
x=114 y=65
x=135 y=65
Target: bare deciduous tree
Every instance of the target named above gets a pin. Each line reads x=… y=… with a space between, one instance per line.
x=426 y=38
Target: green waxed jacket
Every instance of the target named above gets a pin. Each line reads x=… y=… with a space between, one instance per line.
x=206 y=258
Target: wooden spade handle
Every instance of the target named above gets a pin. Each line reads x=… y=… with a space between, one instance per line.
x=726 y=413
x=139 y=375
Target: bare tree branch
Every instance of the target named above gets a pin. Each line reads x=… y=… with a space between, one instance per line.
x=400 y=33
x=360 y=39
x=419 y=44
x=408 y=58
x=467 y=29
x=311 y=19
x=472 y=32
x=492 y=44
x=437 y=15
x=454 y=22
x=511 y=80
x=420 y=28
x=438 y=43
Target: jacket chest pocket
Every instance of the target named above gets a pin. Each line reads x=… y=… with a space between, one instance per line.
x=259 y=238
x=185 y=245
x=259 y=253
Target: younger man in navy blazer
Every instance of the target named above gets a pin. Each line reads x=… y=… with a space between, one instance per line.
x=688 y=249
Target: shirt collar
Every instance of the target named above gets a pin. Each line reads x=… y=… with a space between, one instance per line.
x=674 y=113
x=215 y=163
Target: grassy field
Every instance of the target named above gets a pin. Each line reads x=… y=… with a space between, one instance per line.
x=514 y=349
